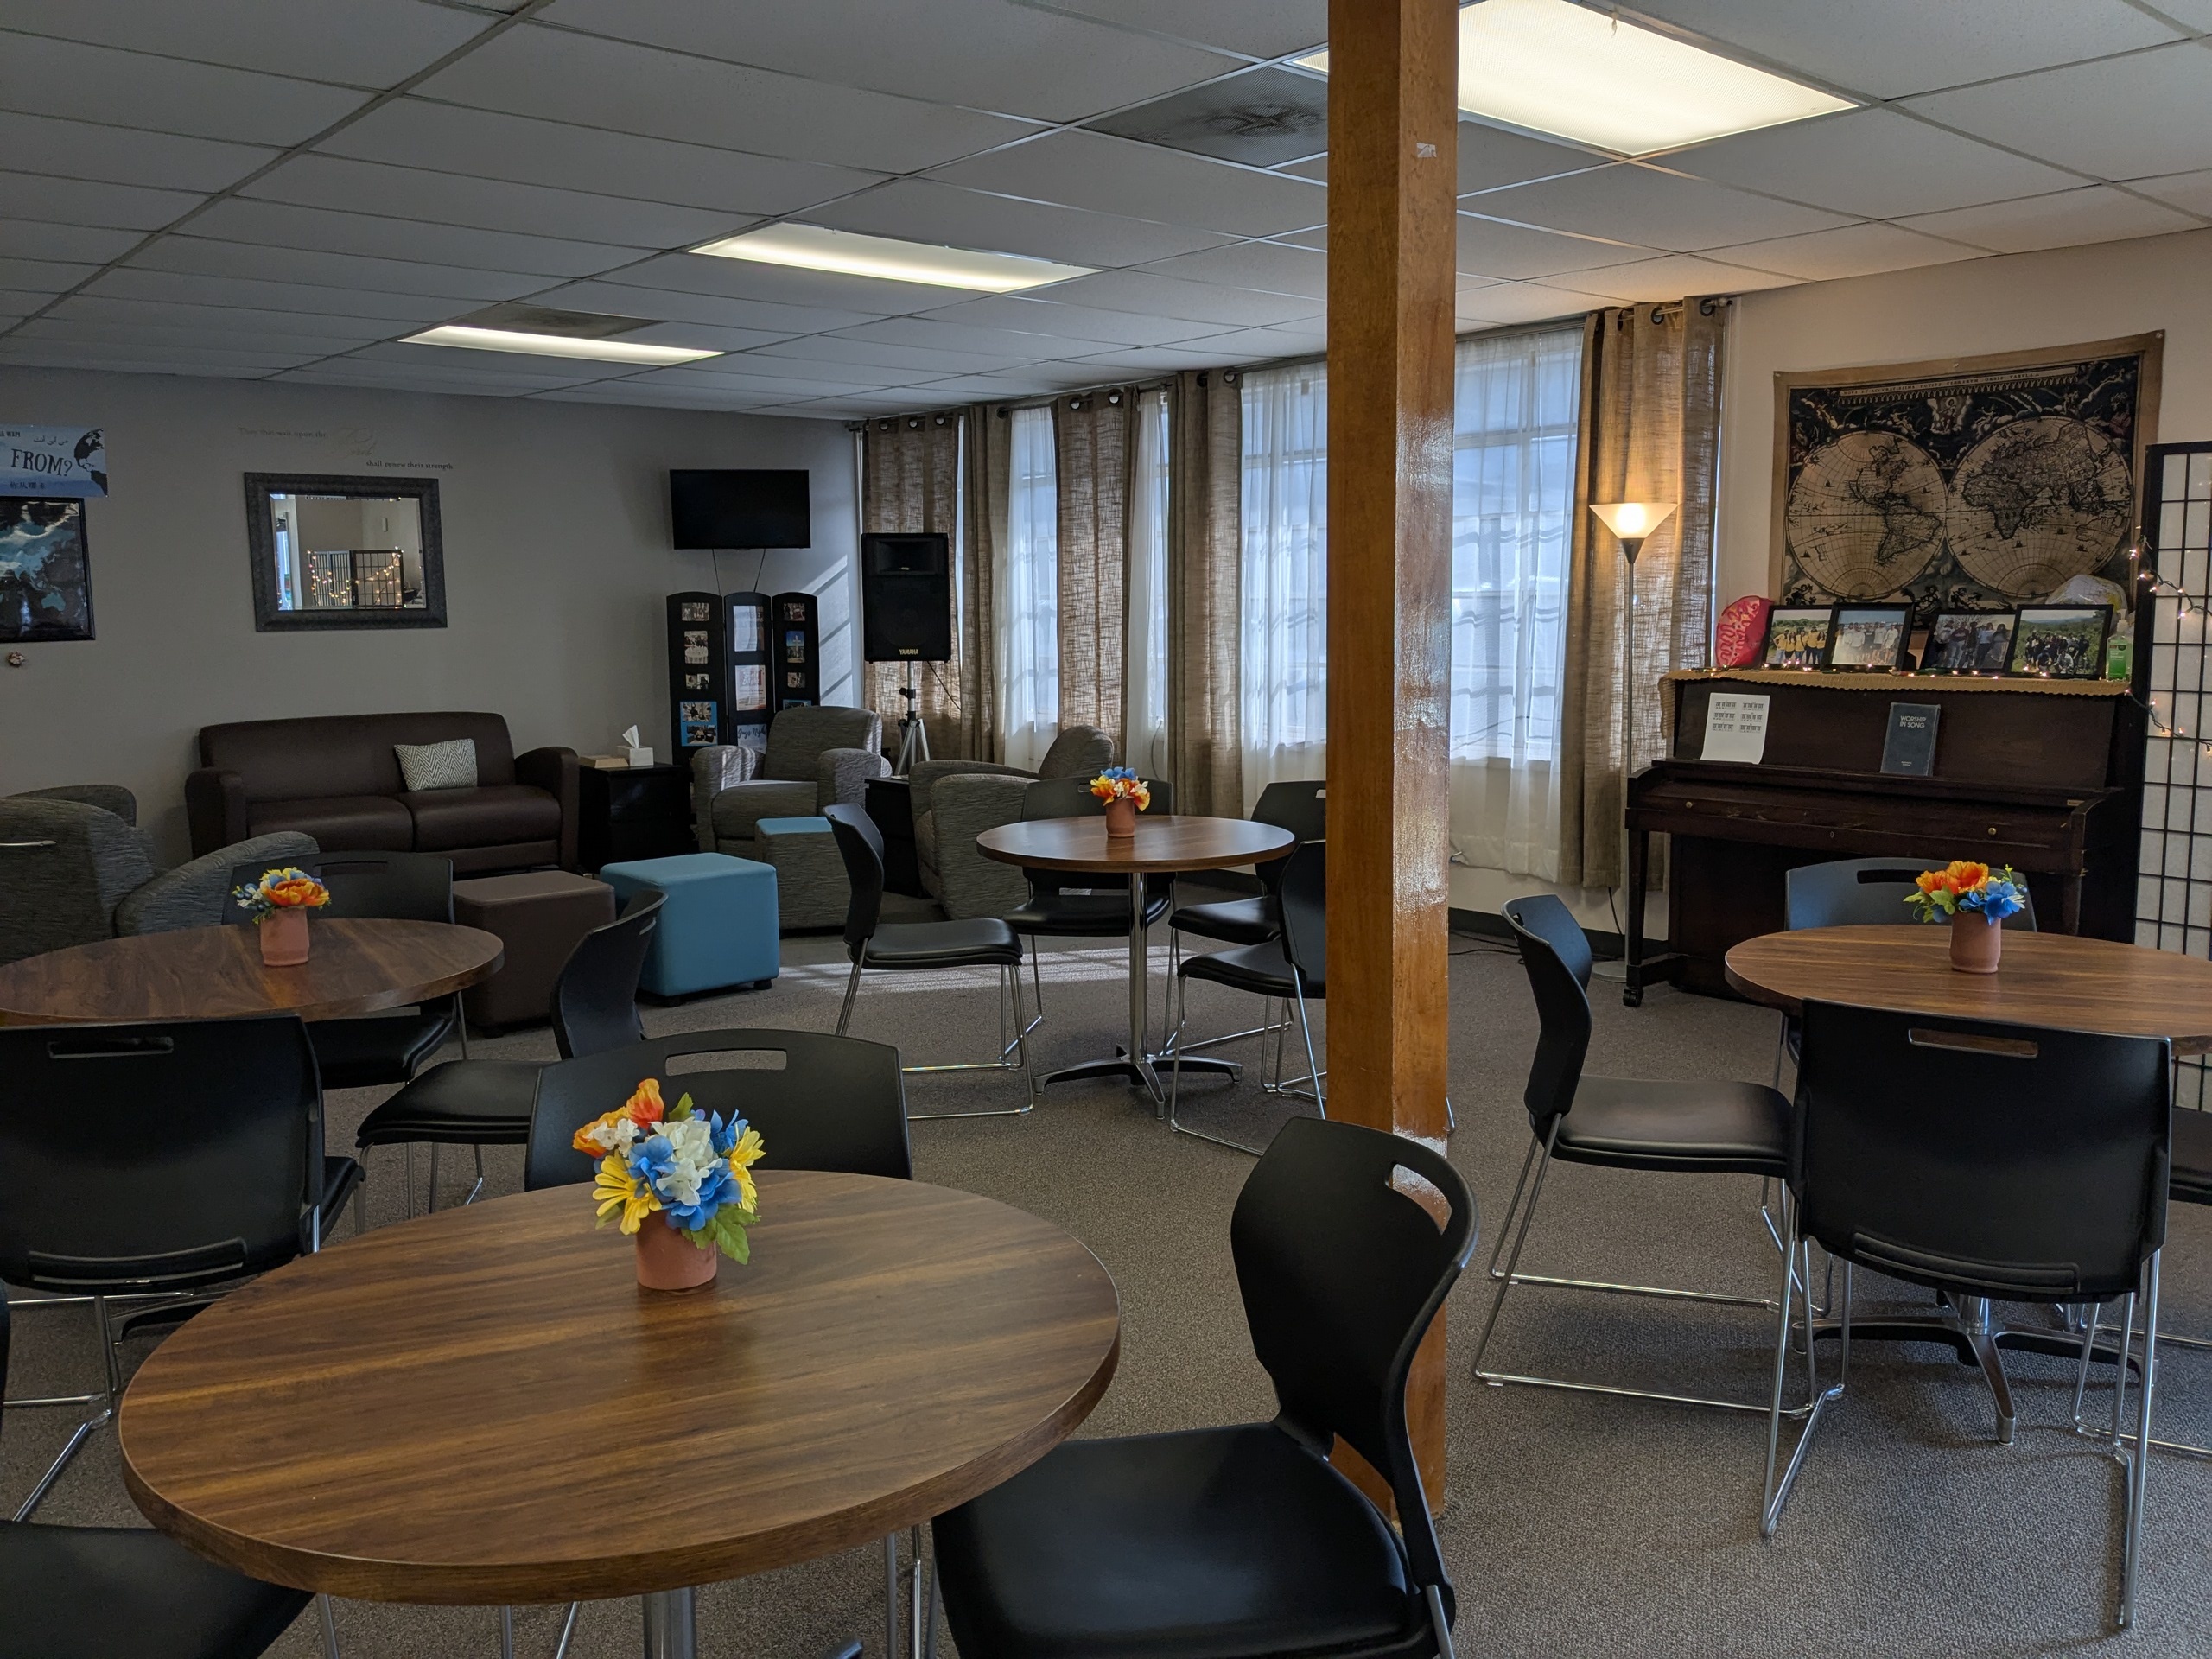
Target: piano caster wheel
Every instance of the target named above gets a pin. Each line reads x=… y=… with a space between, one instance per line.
x=1631 y=996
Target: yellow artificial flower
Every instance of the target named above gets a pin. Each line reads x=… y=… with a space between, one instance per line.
x=742 y=1157
x=617 y=1189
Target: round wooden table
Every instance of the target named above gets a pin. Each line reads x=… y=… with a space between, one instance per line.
x=2046 y=979
x=482 y=1406
x=1164 y=844
x=216 y=973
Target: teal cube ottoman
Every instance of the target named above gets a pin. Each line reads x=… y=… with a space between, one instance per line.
x=811 y=887
x=717 y=929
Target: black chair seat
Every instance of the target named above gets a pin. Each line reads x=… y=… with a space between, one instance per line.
x=94 y=1593
x=984 y=940
x=1740 y=1129
x=1215 y=1543
x=2191 y=1177
x=1085 y=915
x=1262 y=969
x=1233 y=921
x=473 y=1102
x=379 y=1049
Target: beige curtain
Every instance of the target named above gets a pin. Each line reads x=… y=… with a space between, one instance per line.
x=989 y=486
x=1091 y=451
x=1206 y=552
x=910 y=481
x=1650 y=432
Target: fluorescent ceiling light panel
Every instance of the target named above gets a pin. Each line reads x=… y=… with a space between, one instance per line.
x=599 y=351
x=1554 y=67
x=811 y=247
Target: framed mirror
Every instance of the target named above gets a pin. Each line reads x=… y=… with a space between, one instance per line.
x=340 y=552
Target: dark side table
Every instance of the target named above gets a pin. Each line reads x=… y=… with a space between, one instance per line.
x=633 y=812
x=889 y=802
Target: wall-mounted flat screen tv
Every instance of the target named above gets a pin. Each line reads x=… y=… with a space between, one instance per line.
x=739 y=508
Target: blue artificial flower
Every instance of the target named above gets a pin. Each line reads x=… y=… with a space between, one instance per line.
x=1119 y=774
x=719 y=1188
x=651 y=1160
x=725 y=1135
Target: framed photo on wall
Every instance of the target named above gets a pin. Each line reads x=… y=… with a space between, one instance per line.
x=1797 y=636
x=1968 y=642
x=2061 y=642
x=46 y=579
x=1869 y=636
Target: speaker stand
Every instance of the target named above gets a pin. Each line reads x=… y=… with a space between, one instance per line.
x=914 y=736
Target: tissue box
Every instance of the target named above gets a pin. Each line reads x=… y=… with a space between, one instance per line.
x=641 y=757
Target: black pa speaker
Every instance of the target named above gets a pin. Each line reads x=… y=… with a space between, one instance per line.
x=905 y=599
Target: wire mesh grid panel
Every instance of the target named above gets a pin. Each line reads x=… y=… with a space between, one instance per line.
x=2173 y=904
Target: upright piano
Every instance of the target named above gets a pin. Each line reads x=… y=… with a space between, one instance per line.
x=2044 y=775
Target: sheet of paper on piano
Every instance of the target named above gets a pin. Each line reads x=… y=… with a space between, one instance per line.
x=1735 y=727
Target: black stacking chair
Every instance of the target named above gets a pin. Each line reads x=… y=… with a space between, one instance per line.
x=1219 y=1543
x=154 y=1163
x=384 y=1048
x=487 y=1102
x=1292 y=967
x=1865 y=892
x=1080 y=904
x=95 y=1592
x=1698 y=1127
x=1987 y=1161
x=2189 y=1182
x=836 y=1103
x=908 y=947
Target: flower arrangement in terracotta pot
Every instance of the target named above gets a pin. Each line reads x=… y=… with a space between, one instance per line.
x=1126 y=795
x=279 y=903
x=1976 y=900
x=680 y=1184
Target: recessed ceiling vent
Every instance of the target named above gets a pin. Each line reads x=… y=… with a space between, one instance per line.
x=521 y=318
x=1262 y=118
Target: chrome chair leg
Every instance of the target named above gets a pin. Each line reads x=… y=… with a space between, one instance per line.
x=2139 y=1472
x=852 y=990
x=916 y=1612
x=506 y=1633
x=1775 y=1493
x=433 y=1201
x=1174 y=1052
x=568 y=1631
x=1009 y=987
x=113 y=1371
x=329 y=1627
x=891 y=1595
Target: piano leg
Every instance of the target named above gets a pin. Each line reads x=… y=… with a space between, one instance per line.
x=1639 y=859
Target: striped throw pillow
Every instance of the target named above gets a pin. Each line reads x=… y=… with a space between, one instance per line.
x=438 y=765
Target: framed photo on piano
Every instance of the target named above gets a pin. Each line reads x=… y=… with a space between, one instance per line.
x=1869 y=636
x=1797 y=636
x=1968 y=642
x=2060 y=642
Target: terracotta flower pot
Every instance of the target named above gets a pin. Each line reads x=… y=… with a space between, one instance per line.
x=1976 y=941
x=1121 y=818
x=284 y=939
x=668 y=1260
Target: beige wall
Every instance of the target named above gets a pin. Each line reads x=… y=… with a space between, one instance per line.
x=557 y=552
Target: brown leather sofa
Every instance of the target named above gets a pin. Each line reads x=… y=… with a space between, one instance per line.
x=336 y=779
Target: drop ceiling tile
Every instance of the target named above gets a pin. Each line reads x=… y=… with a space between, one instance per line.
x=629 y=393
x=930 y=334
x=834 y=409
x=73 y=201
x=249 y=294
x=2128 y=118
x=404 y=193
x=1672 y=276
x=283 y=225
x=1261 y=344
x=17 y=302
x=2190 y=14
x=1119 y=176
x=563 y=76
x=95 y=83
x=1268 y=267
x=1263 y=118
x=1034 y=384
x=1490 y=157
x=46 y=354
x=706 y=376
x=2190 y=191
x=1149 y=295
x=1145 y=363
x=2096 y=213
x=831 y=348
x=746 y=279
x=414 y=132
x=986 y=56
x=923 y=211
x=383 y=377
x=1851 y=251
x=1258 y=29
x=626 y=299
x=823 y=372
x=49 y=147
x=1876 y=162
x=1489 y=248
x=107 y=311
x=362 y=43
x=303 y=347
x=204 y=256
x=1519 y=302
x=42 y=276
x=1631 y=203
x=704 y=336
x=1890 y=49
x=31 y=239
x=506 y=366
x=1070 y=322
x=158 y=360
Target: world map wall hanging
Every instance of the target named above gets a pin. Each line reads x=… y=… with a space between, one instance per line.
x=1977 y=484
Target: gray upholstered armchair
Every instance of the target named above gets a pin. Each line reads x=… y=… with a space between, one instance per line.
x=74 y=868
x=955 y=801
x=815 y=758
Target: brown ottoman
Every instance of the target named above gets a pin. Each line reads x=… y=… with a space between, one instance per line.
x=539 y=915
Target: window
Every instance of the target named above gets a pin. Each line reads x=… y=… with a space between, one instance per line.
x=1029 y=630
x=1283 y=671
x=1145 y=679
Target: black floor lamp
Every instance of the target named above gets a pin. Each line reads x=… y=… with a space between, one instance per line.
x=1631 y=522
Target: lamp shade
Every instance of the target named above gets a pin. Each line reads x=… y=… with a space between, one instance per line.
x=1631 y=521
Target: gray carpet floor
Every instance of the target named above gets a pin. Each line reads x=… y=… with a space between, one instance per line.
x=1574 y=1525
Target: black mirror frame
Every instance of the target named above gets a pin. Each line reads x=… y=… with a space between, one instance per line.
x=261 y=545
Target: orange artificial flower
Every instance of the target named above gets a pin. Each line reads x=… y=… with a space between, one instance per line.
x=1933 y=881
x=644 y=1106
x=1965 y=876
x=301 y=892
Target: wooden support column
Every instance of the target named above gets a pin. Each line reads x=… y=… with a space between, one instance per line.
x=1393 y=167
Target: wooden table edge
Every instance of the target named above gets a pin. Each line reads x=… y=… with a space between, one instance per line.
x=1169 y=865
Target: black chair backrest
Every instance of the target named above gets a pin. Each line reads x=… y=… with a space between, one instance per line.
x=1070 y=798
x=835 y=1102
x=1342 y=1271
x=2001 y=1161
x=595 y=1000
x=382 y=886
x=1867 y=892
x=1302 y=808
x=859 y=844
x=1555 y=954
x=1304 y=897
x=158 y=1155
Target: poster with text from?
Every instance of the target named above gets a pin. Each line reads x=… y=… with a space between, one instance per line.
x=53 y=460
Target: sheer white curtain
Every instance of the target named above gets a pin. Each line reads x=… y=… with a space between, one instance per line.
x=1283 y=668
x=1516 y=406
x=1029 y=598
x=1145 y=678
